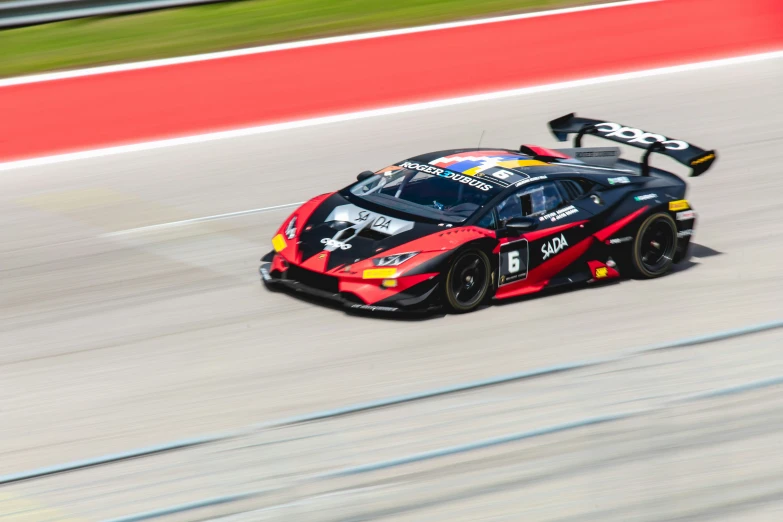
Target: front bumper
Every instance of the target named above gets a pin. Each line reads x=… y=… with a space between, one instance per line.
x=417 y=298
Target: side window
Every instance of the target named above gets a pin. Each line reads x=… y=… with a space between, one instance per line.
x=574 y=189
x=488 y=221
x=510 y=207
x=533 y=201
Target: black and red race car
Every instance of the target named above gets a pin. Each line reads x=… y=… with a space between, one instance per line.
x=455 y=228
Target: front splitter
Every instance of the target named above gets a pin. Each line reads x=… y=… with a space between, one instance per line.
x=337 y=297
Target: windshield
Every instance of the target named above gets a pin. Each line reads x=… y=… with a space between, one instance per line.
x=446 y=193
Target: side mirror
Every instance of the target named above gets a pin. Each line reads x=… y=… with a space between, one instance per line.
x=364 y=175
x=520 y=225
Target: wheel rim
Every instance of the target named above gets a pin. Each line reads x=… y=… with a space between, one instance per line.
x=657 y=246
x=469 y=277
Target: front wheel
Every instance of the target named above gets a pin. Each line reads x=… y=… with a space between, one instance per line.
x=655 y=246
x=467 y=281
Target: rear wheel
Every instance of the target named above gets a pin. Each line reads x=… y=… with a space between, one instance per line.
x=467 y=281
x=655 y=246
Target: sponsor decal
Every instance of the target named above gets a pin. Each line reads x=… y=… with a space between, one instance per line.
x=685 y=233
x=499 y=174
x=265 y=273
x=513 y=261
x=377 y=222
x=322 y=255
x=594 y=157
x=278 y=242
x=554 y=246
x=631 y=135
x=334 y=244
x=708 y=157
x=290 y=230
x=378 y=273
x=389 y=171
x=467 y=180
x=364 y=218
x=456 y=158
x=601 y=272
x=359 y=220
x=686 y=215
x=645 y=197
x=375 y=308
x=529 y=180
x=680 y=204
x=474 y=165
x=559 y=214
x=429 y=169
x=618 y=240
x=608 y=153
x=618 y=181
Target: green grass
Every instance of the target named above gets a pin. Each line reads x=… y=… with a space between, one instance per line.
x=175 y=32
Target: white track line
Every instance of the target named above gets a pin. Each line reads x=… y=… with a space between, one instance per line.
x=386 y=111
x=154 y=228
x=35 y=78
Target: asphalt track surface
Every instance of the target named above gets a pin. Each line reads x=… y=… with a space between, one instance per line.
x=114 y=341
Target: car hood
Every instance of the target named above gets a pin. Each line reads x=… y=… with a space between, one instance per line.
x=351 y=233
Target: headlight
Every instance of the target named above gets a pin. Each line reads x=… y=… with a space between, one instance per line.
x=395 y=260
x=290 y=230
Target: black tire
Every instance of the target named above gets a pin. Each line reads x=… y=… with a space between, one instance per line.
x=467 y=281
x=655 y=246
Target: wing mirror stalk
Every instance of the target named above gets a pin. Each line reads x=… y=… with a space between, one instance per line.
x=519 y=225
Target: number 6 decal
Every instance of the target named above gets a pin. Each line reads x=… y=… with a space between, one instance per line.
x=513 y=262
x=514 y=259
x=501 y=174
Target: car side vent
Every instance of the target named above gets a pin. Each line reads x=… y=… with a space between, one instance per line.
x=339 y=225
x=369 y=233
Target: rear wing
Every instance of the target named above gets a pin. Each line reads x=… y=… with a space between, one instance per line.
x=699 y=160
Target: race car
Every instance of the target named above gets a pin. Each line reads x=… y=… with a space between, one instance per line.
x=456 y=229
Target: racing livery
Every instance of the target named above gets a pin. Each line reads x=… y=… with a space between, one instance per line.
x=456 y=228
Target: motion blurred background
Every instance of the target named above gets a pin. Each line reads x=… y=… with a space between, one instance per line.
x=145 y=374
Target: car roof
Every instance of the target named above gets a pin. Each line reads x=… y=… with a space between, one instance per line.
x=518 y=166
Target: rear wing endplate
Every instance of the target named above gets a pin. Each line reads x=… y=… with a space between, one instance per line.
x=699 y=160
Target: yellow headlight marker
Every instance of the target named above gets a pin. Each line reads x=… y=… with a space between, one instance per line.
x=378 y=273
x=278 y=242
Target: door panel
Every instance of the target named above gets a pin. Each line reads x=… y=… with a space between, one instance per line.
x=528 y=262
x=513 y=262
